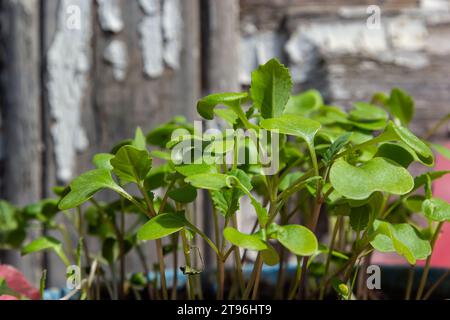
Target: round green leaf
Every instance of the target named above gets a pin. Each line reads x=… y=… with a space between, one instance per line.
x=102 y=161
x=46 y=243
x=131 y=164
x=232 y=100
x=401 y=238
x=399 y=133
x=188 y=170
x=206 y=106
x=185 y=194
x=243 y=240
x=304 y=103
x=395 y=152
x=298 y=239
x=293 y=125
x=161 y=226
x=401 y=105
x=359 y=217
x=270 y=256
x=377 y=174
x=86 y=185
x=367 y=112
x=211 y=181
x=436 y=209
x=414 y=203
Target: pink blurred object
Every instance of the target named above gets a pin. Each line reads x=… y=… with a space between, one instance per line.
x=441 y=189
x=441 y=253
x=7 y=298
x=17 y=282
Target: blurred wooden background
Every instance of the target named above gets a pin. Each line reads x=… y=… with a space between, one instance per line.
x=78 y=75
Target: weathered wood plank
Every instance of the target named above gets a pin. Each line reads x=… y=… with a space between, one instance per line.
x=161 y=75
x=220 y=45
x=220 y=72
x=21 y=106
x=66 y=72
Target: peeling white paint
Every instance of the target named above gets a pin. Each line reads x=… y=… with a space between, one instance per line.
x=151 y=42
x=150 y=7
x=303 y=57
x=435 y=5
x=256 y=49
x=433 y=12
x=172 y=23
x=68 y=63
x=408 y=59
x=110 y=15
x=400 y=43
x=352 y=12
x=342 y=38
x=407 y=34
x=116 y=54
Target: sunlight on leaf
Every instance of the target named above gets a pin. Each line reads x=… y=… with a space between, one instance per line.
x=377 y=174
x=271 y=88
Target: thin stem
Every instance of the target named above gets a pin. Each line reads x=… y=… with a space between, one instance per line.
x=81 y=235
x=297 y=279
x=143 y=261
x=121 y=233
x=348 y=264
x=187 y=256
x=148 y=201
x=237 y=260
x=175 y=265
x=436 y=285
x=410 y=282
x=426 y=269
x=166 y=197
x=244 y=255
x=330 y=253
x=259 y=263
x=206 y=238
x=250 y=283
x=114 y=280
x=219 y=262
x=279 y=290
x=221 y=278
x=312 y=227
x=352 y=286
x=437 y=126
x=162 y=269
x=362 y=292
x=67 y=240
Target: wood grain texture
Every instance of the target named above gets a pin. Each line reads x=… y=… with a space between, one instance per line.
x=20 y=103
x=221 y=45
